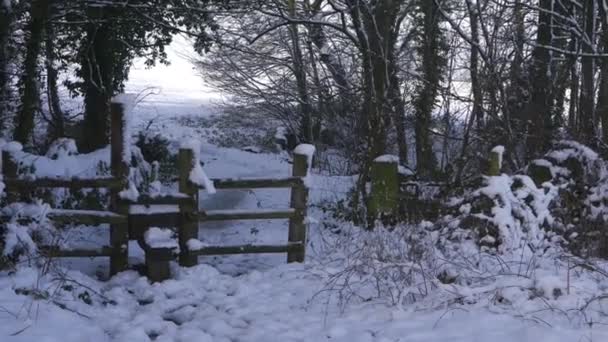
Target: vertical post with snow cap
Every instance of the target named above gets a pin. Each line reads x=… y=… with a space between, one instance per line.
x=302 y=162
x=188 y=228
x=385 y=187
x=495 y=162
x=119 y=233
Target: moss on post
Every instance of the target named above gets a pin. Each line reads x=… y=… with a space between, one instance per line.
x=495 y=161
x=384 y=199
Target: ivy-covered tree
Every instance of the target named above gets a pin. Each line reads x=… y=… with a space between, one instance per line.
x=5 y=24
x=431 y=49
x=30 y=90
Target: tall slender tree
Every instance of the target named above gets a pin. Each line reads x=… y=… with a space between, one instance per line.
x=431 y=51
x=5 y=24
x=30 y=87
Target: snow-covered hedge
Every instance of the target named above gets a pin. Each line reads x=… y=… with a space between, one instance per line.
x=513 y=241
x=553 y=204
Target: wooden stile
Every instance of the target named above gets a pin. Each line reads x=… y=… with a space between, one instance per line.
x=125 y=225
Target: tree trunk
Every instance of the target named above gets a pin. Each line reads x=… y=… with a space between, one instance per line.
x=336 y=70
x=30 y=96
x=477 y=110
x=573 y=110
x=586 y=104
x=300 y=75
x=57 y=125
x=538 y=109
x=321 y=109
x=5 y=24
x=399 y=117
x=373 y=27
x=602 y=104
x=98 y=73
x=426 y=162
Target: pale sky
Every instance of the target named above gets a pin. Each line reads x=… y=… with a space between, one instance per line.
x=177 y=79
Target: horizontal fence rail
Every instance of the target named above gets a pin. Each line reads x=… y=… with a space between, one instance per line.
x=70 y=183
x=169 y=199
x=54 y=251
x=262 y=183
x=86 y=217
x=247 y=249
x=255 y=214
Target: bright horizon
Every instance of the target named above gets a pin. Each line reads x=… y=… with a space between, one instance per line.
x=179 y=79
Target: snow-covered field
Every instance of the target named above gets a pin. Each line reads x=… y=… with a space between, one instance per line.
x=257 y=297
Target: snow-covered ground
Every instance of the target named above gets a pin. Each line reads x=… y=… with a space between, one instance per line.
x=246 y=297
x=279 y=304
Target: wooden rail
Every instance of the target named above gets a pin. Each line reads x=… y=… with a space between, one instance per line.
x=236 y=183
x=71 y=183
x=54 y=251
x=255 y=214
x=170 y=199
x=86 y=217
x=247 y=249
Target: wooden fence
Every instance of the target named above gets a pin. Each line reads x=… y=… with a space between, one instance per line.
x=125 y=225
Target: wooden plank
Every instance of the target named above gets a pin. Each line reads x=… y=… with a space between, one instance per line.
x=255 y=214
x=261 y=183
x=172 y=199
x=72 y=183
x=246 y=249
x=156 y=219
x=54 y=251
x=86 y=217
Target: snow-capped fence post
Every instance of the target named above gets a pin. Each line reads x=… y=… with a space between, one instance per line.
x=495 y=161
x=302 y=162
x=383 y=201
x=188 y=227
x=119 y=233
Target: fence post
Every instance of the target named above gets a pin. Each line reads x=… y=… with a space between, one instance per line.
x=188 y=228
x=384 y=201
x=495 y=162
x=119 y=233
x=299 y=200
